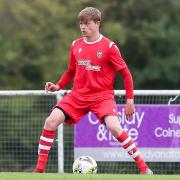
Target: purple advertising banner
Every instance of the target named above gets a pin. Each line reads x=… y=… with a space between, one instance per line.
x=151 y=126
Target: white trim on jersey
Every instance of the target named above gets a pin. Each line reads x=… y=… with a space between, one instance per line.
x=99 y=39
x=110 y=44
x=73 y=42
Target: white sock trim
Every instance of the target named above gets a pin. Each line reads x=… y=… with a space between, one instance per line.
x=130 y=147
x=46 y=139
x=44 y=147
x=126 y=141
x=135 y=154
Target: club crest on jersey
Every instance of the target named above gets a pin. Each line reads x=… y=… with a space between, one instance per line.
x=99 y=54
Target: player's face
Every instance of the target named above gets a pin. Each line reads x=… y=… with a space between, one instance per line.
x=89 y=28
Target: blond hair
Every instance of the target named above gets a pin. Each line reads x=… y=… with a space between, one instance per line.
x=89 y=13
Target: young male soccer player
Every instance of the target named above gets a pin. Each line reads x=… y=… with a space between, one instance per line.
x=94 y=62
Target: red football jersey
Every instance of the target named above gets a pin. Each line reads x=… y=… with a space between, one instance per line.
x=93 y=66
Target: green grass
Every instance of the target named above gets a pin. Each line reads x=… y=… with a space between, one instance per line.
x=55 y=176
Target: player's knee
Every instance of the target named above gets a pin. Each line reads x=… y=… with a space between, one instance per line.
x=54 y=119
x=113 y=125
x=115 y=131
x=50 y=123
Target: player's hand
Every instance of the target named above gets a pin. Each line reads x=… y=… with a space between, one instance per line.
x=49 y=86
x=129 y=109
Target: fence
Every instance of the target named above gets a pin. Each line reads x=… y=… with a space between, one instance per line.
x=22 y=115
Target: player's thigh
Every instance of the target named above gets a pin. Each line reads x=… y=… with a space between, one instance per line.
x=74 y=108
x=105 y=107
x=54 y=119
x=113 y=124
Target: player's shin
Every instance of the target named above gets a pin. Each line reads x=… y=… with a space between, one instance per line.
x=129 y=145
x=45 y=144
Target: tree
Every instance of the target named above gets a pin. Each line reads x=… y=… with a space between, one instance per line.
x=35 y=37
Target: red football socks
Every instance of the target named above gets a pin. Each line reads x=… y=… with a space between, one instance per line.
x=45 y=144
x=41 y=164
x=129 y=145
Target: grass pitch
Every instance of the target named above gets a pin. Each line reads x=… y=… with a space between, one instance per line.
x=56 y=176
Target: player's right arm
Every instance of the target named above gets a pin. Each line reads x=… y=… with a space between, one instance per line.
x=49 y=86
x=67 y=77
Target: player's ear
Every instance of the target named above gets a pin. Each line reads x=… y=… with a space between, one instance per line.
x=98 y=23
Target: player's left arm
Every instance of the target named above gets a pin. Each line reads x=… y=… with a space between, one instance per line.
x=121 y=67
x=128 y=86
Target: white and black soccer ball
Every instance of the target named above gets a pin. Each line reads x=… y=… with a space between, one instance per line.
x=84 y=165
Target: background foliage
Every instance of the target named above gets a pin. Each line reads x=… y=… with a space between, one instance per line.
x=35 y=37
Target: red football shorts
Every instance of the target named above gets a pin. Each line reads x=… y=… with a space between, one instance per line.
x=76 y=108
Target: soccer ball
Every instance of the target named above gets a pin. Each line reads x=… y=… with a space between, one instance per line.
x=84 y=165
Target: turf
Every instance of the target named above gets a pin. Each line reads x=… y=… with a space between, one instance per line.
x=56 y=176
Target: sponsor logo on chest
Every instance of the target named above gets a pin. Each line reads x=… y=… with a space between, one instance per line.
x=88 y=65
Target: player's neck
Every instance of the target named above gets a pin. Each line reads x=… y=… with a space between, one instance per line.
x=92 y=38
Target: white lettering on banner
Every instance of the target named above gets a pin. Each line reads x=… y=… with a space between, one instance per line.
x=160 y=132
x=91 y=119
x=174 y=119
x=135 y=119
x=101 y=135
x=104 y=135
x=119 y=154
x=150 y=155
x=168 y=132
x=133 y=133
